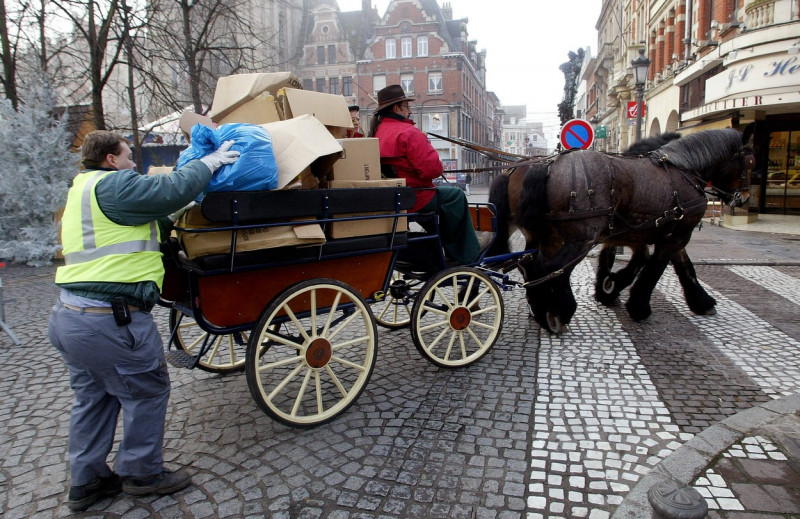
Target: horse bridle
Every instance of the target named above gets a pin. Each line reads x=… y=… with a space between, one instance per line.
x=735 y=198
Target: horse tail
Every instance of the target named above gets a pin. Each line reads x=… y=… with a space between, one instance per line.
x=498 y=195
x=533 y=208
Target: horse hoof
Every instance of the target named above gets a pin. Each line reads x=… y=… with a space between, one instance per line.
x=554 y=323
x=711 y=311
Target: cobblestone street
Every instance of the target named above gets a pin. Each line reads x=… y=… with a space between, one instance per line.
x=543 y=426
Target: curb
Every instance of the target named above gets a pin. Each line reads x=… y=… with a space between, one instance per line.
x=687 y=462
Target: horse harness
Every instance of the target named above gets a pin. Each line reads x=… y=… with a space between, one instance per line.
x=671 y=216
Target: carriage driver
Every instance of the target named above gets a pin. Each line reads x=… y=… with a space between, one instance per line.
x=102 y=325
x=407 y=149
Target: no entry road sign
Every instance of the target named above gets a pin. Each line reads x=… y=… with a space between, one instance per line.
x=577 y=133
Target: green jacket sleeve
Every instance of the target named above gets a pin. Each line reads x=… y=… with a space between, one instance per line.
x=128 y=198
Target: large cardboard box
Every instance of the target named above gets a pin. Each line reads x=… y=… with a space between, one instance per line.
x=352 y=228
x=259 y=110
x=360 y=159
x=198 y=244
x=301 y=143
x=234 y=91
x=330 y=109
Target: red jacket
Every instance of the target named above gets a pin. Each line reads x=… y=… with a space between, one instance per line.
x=406 y=148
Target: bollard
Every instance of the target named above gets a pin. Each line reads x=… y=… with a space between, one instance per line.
x=3 y=325
x=671 y=501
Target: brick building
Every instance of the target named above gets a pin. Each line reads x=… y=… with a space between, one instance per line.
x=418 y=45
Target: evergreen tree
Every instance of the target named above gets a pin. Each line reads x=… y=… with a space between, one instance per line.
x=37 y=169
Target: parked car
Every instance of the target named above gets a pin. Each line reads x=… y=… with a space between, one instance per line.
x=458 y=180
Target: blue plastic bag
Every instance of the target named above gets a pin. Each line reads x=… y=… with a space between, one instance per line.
x=256 y=168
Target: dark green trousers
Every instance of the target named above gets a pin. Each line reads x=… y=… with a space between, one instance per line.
x=455 y=224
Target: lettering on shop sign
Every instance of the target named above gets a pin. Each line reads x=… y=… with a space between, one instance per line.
x=784 y=67
x=781 y=68
x=741 y=102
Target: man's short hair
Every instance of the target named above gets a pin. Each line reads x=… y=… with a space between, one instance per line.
x=97 y=145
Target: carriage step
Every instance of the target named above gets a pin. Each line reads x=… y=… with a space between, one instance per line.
x=180 y=359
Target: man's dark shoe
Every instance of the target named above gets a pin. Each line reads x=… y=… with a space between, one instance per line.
x=165 y=483
x=82 y=497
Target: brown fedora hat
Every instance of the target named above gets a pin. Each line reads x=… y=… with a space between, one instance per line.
x=391 y=95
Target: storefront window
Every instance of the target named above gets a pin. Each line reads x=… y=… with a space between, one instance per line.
x=783 y=172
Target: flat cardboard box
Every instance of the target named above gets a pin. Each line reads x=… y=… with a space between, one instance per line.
x=188 y=119
x=330 y=109
x=366 y=227
x=234 y=91
x=300 y=143
x=198 y=244
x=360 y=159
x=259 y=110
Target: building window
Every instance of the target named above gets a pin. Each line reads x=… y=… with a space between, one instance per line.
x=378 y=83
x=333 y=85
x=320 y=55
x=331 y=53
x=407 y=82
x=391 y=48
x=347 y=86
x=422 y=46
x=320 y=84
x=405 y=47
x=308 y=84
x=435 y=82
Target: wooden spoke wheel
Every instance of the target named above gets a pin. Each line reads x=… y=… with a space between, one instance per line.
x=457 y=317
x=312 y=352
x=394 y=311
x=226 y=353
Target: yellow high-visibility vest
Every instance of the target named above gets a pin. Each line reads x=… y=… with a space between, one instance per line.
x=97 y=249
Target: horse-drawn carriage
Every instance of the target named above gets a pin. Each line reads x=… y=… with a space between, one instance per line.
x=301 y=320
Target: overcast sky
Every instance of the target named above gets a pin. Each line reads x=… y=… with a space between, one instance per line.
x=525 y=42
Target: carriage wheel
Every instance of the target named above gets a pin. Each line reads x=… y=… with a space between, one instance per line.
x=226 y=353
x=457 y=317
x=306 y=367
x=394 y=312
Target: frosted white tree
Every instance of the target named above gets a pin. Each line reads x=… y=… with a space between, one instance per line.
x=37 y=169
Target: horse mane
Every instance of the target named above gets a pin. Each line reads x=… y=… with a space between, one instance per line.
x=651 y=143
x=701 y=150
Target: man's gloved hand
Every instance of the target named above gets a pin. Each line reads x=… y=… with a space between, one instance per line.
x=220 y=157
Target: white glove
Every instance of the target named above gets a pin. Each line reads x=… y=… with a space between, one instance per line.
x=220 y=157
x=177 y=214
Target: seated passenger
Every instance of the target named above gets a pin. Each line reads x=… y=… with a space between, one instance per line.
x=407 y=149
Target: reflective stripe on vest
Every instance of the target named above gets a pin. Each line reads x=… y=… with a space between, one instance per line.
x=105 y=262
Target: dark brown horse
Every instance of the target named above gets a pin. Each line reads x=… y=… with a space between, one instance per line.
x=581 y=199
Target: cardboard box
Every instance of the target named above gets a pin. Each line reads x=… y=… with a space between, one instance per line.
x=188 y=119
x=259 y=110
x=234 y=91
x=300 y=143
x=330 y=109
x=366 y=227
x=198 y=244
x=360 y=159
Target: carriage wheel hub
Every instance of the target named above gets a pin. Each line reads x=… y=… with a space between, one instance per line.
x=460 y=318
x=319 y=353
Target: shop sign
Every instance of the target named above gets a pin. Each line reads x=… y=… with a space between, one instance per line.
x=758 y=75
x=600 y=132
x=744 y=102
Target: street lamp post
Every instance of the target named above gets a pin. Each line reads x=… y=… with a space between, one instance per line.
x=640 y=66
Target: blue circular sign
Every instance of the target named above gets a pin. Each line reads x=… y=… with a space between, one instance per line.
x=577 y=134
